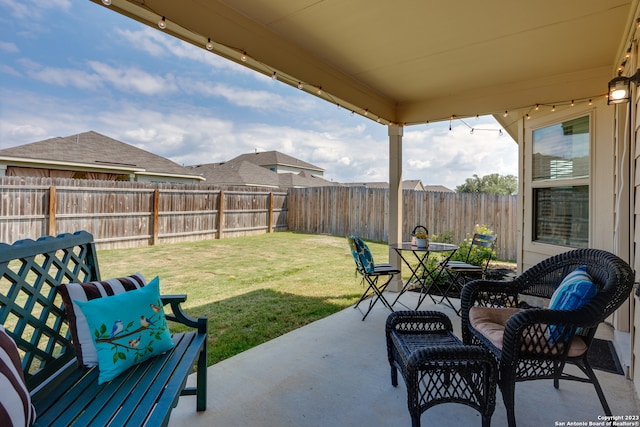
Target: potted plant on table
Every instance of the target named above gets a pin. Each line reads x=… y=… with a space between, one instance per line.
x=421 y=235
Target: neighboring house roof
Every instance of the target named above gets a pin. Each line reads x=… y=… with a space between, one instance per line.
x=367 y=184
x=303 y=179
x=237 y=173
x=274 y=159
x=240 y=172
x=410 y=184
x=91 y=150
x=440 y=188
x=413 y=184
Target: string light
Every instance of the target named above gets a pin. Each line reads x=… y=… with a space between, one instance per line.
x=300 y=86
x=506 y=113
x=274 y=76
x=162 y=23
x=209 y=45
x=553 y=108
x=537 y=107
x=243 y=57
x=590 y=102
x=573 y=103
x=106 y=2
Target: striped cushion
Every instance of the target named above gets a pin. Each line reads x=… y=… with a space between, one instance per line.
x=15 y=403
x=82 y=339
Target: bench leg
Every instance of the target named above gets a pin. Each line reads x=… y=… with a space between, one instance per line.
x=201 y=378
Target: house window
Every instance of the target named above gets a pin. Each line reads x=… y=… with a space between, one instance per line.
x=560 y=184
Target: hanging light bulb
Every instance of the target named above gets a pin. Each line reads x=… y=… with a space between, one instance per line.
x=537 y=107
x=162 y=23
x=320 y=90
x=590 y=102
x=528 y=116
x=106 y=2
x=471 y=131
x=300 y=86
x=366 y=112
x=500 y=132
x=209 y=45
x=274 y=76
x=553 y=108
x=506 y=113
x=573 y=103
x=243 y=57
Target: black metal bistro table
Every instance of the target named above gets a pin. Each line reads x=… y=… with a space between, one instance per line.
x=421 y=275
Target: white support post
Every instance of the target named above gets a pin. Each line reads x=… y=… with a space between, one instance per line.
x=395 y=200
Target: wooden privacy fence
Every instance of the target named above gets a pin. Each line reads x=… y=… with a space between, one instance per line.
x=364 y=211
x=131 y=214
x=128 y=214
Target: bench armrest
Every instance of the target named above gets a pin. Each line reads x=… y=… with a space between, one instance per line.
x=179 y=315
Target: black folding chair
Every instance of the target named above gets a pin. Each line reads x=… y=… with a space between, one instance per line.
x=461 y=272
x=371 y=274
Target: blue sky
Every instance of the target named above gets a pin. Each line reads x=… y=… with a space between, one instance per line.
x=70 y=66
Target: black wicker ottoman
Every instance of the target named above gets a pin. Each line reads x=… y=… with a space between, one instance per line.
x=436 y=366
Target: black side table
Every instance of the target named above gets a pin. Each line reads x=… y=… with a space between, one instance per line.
x=437 y=367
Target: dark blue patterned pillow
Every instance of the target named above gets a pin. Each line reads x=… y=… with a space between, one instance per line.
x=365 y=256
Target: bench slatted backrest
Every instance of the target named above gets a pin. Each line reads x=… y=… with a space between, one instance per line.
x=31 y=308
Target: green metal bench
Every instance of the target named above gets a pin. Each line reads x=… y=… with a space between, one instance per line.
x=32 y=311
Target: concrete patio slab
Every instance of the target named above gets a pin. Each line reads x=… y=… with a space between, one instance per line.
x=335 y=372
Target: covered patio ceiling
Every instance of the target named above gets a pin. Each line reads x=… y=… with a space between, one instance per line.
x=409 y=61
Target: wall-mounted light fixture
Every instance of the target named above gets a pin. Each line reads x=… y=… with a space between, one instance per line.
x=620 y=88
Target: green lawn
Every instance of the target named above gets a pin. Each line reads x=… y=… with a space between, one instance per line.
x=253 y=289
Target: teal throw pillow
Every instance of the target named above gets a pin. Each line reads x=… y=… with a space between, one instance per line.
x=127 y=328
x=574 y=291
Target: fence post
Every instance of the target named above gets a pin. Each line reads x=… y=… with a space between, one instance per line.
x=155 y=214
x=220 y=214
x=270 y=219
x=53 y=198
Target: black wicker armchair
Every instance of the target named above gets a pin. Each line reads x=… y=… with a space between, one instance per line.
x=520 y=339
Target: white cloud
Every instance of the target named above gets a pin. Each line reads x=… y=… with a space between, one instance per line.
x=33 y=9
x=158 y=44
x=134 y=79
x=8 y=47
x=6 y=69
x=439 y=156
x=260 y=100
x=66 y=77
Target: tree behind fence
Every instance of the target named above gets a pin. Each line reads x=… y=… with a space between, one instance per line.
x=364 y=211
